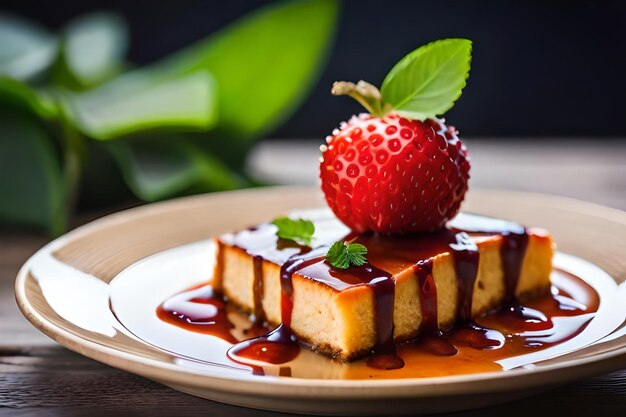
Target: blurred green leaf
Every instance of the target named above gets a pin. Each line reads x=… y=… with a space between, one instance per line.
x=237 y=84
x=26 y=50
x=140 y=101
x=13 y=92
x=164 y=166
x=264 y=63
x=92 y=50
x=31 y=187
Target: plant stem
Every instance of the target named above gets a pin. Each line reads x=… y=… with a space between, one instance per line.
x=73 y=159
x=365 y=93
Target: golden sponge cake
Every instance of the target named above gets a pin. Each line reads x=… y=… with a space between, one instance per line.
x=339 y=312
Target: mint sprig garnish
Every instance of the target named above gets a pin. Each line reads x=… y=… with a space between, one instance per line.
x=342 y=255
x=422 y=85
x=298 y=230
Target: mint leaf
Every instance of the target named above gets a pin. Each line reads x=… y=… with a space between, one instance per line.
x=337 y=255
x=294 y=229
x=356 y=254
x=342 y=255
x=428 y=81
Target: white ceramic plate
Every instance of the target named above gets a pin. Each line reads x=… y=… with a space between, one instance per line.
x=95 y=291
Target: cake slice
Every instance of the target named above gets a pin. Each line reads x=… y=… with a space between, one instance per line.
x=410 y=286
x=396 y=176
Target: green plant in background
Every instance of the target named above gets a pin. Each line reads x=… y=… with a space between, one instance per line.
x=73 y=113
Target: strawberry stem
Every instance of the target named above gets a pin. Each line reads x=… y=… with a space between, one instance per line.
x=363 y=92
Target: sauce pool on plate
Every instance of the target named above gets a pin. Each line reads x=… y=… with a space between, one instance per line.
x=470 y=347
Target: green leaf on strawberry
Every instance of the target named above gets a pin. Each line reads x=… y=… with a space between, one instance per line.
x=422 y=85
x=429 y=80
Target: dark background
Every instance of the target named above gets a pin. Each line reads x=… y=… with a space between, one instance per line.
x=541 y=68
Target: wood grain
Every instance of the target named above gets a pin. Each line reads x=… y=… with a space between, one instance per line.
x=40 y=378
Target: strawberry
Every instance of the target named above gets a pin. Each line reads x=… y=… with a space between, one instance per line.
x=386 y=173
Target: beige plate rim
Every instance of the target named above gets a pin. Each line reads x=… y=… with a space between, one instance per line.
x=171 y=374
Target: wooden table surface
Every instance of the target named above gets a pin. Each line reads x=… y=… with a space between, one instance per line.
x=40 y=378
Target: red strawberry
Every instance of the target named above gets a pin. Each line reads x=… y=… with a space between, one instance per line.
x=390 y=174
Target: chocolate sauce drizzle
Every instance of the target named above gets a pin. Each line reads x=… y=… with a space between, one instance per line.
x=257 y=289
x=466 y=256
x=423 y=270
x=294 y=264
x=280 y=345
x=512 y=249
x=386 y=256
x=383 y=287
x=512 y=252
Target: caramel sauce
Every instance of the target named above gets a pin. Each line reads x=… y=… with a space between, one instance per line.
x=537 y=324
x=472 y=346
x=199 y=309
x=278 y=346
